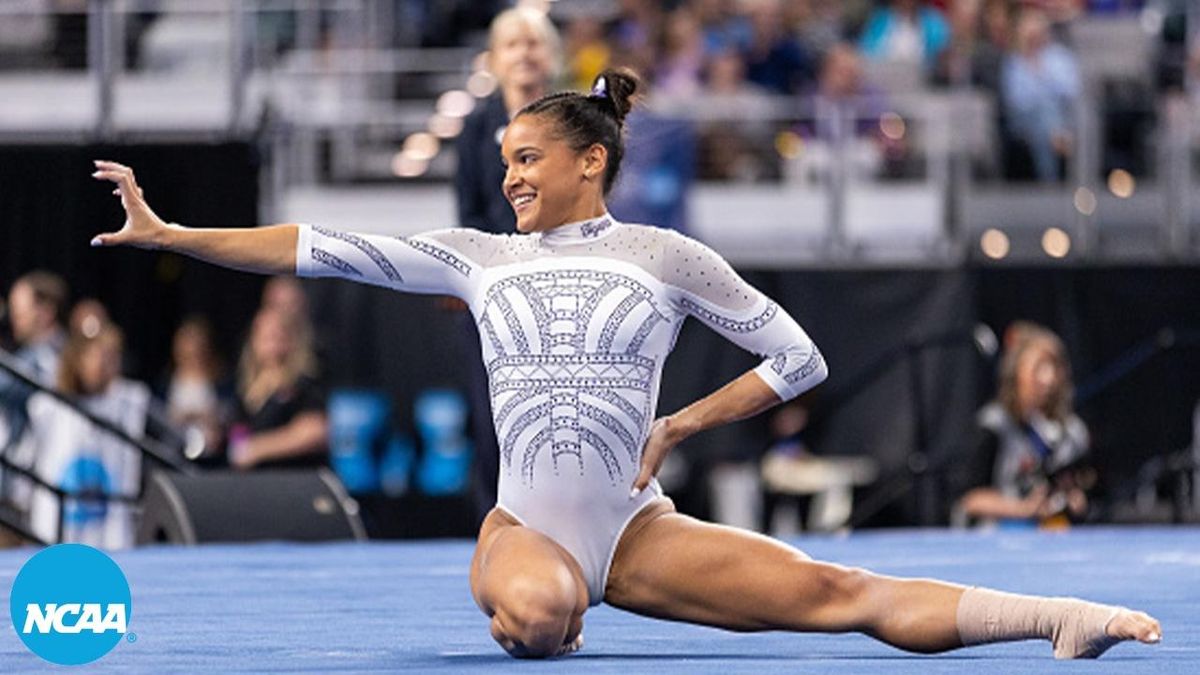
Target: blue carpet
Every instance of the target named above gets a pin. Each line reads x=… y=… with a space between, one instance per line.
x=406 y=606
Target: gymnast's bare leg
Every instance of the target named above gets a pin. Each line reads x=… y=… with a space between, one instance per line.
x=531 y=587
x=672 y=566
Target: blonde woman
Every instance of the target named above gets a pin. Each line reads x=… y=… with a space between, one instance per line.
x=524 y=57
x=280 y=419
x=1027 y=434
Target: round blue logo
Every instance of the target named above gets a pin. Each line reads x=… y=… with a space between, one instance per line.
x=70 y=604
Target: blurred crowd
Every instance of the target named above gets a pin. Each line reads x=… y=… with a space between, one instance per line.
x=854 y=64
x=268 y=411
x=860 y=57
x=1028 y=461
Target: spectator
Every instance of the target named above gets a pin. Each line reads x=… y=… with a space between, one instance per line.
x=36 y=303
x=280 y=421
x=87 y=316
x=634 y=33
x=523 y=56
x=1173 y=62
x=979 y=39
x=195 y=392
x=587 y=51
x=848 y=119
x=821 y=25
x=740 y=143
x=657 y=170
x=73 y=455
x=287 y=295
x=682 y=58
x=724 y=30
x=788 y=448
x=1030 y=439
x=1041 y=84
x=775 y=60
x=906 y=31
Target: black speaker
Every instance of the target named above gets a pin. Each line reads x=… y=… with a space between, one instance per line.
x=229 y=506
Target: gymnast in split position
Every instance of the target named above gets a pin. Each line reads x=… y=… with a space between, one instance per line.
x=577 y=314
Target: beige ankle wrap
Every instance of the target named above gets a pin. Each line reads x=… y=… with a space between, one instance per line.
x=1076 y=627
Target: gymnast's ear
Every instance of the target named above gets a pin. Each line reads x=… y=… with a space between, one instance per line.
x=594 y=161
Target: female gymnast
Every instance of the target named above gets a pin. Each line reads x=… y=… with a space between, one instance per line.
x=577 y=313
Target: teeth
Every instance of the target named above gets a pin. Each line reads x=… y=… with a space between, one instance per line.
x=523 y=199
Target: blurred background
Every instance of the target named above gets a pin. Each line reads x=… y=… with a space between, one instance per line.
x=981 y=210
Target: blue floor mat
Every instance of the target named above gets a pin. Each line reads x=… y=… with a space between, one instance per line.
x=388 y=606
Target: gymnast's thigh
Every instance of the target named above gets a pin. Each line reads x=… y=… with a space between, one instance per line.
x=509 y=557
x=676 y=567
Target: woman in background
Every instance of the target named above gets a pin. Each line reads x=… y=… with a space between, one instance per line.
x=280 y=419
x=1029 y=436
x=523 y=56
x=195 y=392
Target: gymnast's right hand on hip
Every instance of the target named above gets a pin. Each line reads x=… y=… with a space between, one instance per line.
x=142 y=228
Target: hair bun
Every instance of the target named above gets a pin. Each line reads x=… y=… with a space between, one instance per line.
x=619 y=86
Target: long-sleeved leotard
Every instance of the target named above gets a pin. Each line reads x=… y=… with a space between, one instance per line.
x=575 y=326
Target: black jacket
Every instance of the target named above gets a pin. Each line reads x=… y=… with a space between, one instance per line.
x=478 y=182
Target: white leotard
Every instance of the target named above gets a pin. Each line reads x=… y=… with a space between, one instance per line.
x=575 y=325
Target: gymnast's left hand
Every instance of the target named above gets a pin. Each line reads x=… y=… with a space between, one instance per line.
x=142 y=228
x=664 y=435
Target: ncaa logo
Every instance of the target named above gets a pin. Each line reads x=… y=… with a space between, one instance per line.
x=70 y=604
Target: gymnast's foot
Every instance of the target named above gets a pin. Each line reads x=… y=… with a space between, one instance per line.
x=1091 y=629
x=572 y=646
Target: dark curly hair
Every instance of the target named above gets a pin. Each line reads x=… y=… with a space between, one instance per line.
x=597 y=117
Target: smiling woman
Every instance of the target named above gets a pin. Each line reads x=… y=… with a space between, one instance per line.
x=567 y=144
x=578 y=314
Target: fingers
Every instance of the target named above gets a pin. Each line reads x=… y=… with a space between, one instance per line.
x=652 y=458
x=653 y=453
x=119 y=174
x=112 y=166
x=106 y=239
x=642 y=480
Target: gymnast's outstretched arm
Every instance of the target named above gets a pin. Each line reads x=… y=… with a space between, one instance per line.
x=434 y=262
x=268 y=250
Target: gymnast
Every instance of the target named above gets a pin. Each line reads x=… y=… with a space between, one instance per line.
x=577 y=313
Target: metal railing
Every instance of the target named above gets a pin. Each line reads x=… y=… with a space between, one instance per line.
x=148 y=448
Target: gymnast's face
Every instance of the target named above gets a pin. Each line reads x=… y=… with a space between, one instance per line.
x=547 y=182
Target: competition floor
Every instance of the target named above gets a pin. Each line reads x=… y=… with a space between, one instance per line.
x=406 y=606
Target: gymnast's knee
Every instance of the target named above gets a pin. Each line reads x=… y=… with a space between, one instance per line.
x=534 y=619
x=844 y=591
